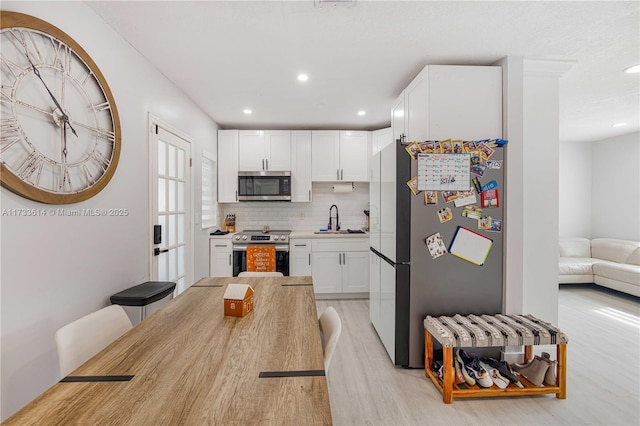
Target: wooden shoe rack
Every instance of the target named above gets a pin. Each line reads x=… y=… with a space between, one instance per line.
x=491 y=331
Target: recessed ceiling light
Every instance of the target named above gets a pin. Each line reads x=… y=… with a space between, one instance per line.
x=247 y=111
x=303 y=77
x=632 y=70
x=618 y=124
x=362 y=112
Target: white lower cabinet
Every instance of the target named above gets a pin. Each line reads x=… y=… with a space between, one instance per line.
x=340 y=265
x=220 y=258
x=300 y=258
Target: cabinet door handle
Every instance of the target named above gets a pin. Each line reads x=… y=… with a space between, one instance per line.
x=338 y=174
x=341 y=174
x=344 y=259
x=309 y=195
x=236 y=195
x=267 y=164
x=309 y=259
x=229 y=259
x=263 y=164
x=339 y=258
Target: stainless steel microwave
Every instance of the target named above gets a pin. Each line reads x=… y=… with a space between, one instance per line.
x=264 y=186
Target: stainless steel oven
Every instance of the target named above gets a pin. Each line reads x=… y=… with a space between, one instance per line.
x=244 y=239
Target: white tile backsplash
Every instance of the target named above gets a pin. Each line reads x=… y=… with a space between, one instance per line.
x=303 y=216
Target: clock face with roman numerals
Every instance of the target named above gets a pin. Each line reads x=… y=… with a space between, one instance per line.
x=59 y=128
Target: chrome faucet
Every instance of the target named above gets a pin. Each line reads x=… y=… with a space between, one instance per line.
x=337 y=228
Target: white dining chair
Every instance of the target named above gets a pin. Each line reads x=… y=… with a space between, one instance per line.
x=260 y=274
x=331 y=327
x=83 y=338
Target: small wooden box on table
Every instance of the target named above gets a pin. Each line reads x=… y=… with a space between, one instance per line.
x=492 y=331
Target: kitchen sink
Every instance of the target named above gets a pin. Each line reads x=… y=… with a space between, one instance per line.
x=342 y=231
x=331 y=232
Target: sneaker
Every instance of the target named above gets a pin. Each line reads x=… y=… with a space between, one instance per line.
x=504 y=370
x=482 y=375
x=459 y=378
x=437 y=369
x=471 y=364
x=496 y=377
x=463 y=368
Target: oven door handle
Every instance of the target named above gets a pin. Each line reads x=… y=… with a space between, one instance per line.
x=244 y=248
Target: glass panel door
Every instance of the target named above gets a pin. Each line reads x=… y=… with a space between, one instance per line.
x=171 y=191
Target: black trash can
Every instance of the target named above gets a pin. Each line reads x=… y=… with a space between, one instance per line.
x=144 y=299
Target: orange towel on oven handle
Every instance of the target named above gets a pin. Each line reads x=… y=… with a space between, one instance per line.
x=261 y=258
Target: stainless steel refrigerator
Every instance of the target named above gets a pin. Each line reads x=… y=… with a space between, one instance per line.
x=407 y=284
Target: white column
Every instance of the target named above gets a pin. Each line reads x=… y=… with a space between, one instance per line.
x=512 y=82
x=541 y=104
x=531 y=124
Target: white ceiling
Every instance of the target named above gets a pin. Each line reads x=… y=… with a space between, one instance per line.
x=231 y=55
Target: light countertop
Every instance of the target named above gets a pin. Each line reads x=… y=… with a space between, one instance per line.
x=222 y=237
x=302 y=234
x=311 y=234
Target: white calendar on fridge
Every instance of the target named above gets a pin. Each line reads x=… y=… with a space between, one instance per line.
x=444 y=172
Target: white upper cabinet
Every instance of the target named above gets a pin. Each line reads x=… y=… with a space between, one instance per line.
x=251 y=150
x=380 y=139
x=278 y=150
x=325 y=155
x=465 y=94
x=264 y=150
x=340 y=155
x=301 y=165
x=397 y=119
x=227 y=166
x=441 y=97
x=354 y=156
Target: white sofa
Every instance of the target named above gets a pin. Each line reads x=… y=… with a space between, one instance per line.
x=607 y=262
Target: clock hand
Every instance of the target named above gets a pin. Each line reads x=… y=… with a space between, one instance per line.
x=64 y=138
x=65 y=117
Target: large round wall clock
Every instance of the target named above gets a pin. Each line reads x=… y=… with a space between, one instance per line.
x=59 y=130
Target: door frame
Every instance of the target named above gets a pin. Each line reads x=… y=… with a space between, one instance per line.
x=153 y=121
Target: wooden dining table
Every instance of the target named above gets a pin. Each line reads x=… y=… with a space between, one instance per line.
x=188 y=363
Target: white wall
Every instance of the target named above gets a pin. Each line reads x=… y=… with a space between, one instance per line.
x=615 y=182
x=575 y=189
x=57 y=269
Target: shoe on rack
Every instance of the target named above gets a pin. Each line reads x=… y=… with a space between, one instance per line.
x=519 y=367
x=504 y=369
x=459 y=378
x=550 y=379
x=471 y=364
x=534 y=371
x=437 y=368
x=496 y=377
x=463 y=368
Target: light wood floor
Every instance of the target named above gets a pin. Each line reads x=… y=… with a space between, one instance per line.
x=603 y=373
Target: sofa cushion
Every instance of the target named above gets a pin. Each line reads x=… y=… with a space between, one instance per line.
x=576 y=265
x=575 y=247
x=634 y=259
x=612 y=249
x=618 y=271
